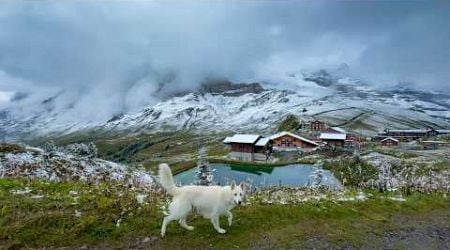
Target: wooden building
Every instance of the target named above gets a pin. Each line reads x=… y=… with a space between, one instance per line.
x=407 y=134
x=353 y=138
x=443 y=131
x=288 y=141
x=389 y=142
x=317 y=125
x=333 y=139
x=263 y=149
x=352 y=142
x=247 y=147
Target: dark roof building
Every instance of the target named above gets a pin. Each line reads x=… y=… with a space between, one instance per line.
x=249 y=147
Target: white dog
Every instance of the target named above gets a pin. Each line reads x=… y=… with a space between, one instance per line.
x=209 y=201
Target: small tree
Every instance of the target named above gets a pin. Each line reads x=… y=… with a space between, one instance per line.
x=204 y=173
x=385 y=176
x=316 y=178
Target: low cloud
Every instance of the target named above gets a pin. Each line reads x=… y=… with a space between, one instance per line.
x=103 y=58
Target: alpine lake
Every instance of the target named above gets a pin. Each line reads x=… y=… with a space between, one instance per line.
x=292 y=175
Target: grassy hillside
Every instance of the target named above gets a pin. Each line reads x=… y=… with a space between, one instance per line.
x=289 y=123
x=177 y=148
x=73 y=214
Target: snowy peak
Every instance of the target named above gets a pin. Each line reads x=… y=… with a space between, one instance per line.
x=222 y=105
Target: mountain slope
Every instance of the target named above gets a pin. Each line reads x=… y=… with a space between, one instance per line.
x=339 y=101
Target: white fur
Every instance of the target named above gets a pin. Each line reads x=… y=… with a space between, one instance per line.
x=209 y=201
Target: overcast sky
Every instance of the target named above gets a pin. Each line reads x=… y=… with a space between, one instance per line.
x=117 y=53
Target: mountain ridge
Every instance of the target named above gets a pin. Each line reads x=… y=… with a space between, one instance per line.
x=220 y=105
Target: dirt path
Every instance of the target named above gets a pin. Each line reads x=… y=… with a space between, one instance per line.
x=358 y=117
x=402 y=232
x=415 y=231
x=331 y=110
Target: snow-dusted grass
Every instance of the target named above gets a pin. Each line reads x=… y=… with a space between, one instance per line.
x=62 y=165
x=100 y=203
x=110 y=215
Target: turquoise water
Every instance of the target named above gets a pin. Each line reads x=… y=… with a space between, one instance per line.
x=293 y=175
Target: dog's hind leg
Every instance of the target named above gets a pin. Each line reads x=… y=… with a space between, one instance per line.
x=166 y=221
x=215 y=222
x=185 y=225
x=230 y=218
x=178 y=209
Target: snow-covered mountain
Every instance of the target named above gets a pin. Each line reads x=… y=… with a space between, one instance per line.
x=221 y=105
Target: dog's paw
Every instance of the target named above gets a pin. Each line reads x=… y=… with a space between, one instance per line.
x=221 y=231
x=230 y=222
x=190 y=228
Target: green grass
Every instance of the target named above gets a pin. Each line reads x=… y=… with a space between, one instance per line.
x=397 y=153
x=289 y=123
x=51 y=222
x=443 y=165
x=10 y=148
x=182 y=166
x=149 y=150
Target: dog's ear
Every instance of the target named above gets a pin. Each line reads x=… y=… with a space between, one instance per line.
x=233 y=185
x=242 y=185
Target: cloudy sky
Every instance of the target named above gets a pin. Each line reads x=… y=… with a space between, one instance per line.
x=116 y=55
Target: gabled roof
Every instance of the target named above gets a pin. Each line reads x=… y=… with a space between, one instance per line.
x=262 y=141
x=293 y=135
x=339 y=130
x=242 y=138
x=390 y=138
x=332 y=136
x=228 y=139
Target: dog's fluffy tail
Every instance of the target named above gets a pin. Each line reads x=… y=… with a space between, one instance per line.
x=166 y=178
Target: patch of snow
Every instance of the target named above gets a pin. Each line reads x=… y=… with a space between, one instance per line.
x=73 y=193
x=400 y=199
x=141 y=198
x=27 y=190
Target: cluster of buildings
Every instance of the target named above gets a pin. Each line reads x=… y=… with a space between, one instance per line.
x=393 y=137
x=410 y=134
x=251 y=147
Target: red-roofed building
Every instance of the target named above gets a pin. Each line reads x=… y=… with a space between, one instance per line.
x=389 y=142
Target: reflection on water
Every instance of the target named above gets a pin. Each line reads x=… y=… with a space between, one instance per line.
x=294 y=175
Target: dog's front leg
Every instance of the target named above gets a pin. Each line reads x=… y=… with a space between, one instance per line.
x=230 y=218
x=215 y=222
